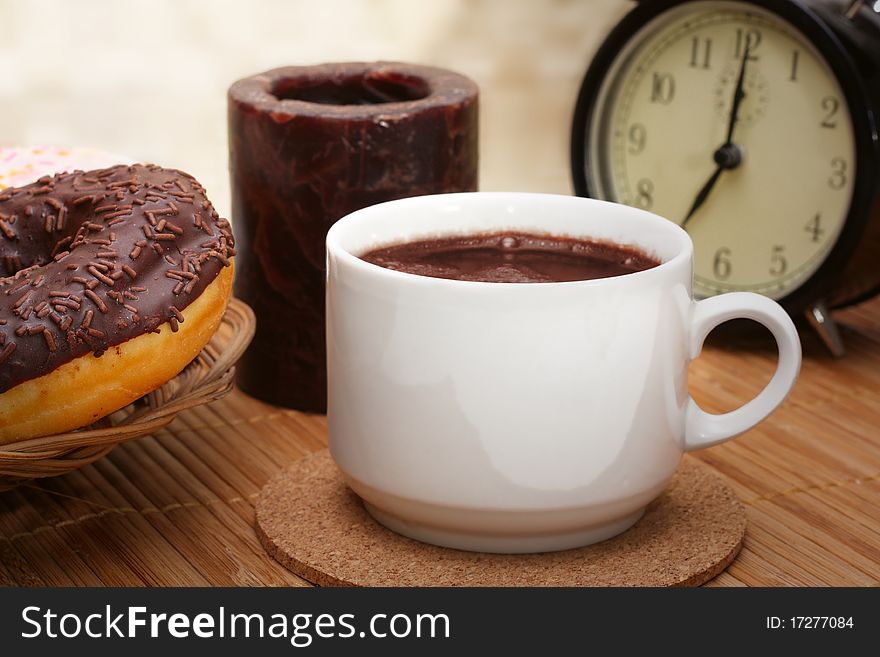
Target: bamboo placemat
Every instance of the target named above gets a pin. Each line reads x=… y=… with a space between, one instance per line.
x=177 y=508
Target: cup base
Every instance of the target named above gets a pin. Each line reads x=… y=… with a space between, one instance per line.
x=503 y=544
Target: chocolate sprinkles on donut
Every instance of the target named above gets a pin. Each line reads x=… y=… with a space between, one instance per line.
x=91 y=260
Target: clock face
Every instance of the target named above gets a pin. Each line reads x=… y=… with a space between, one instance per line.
x=722 y=117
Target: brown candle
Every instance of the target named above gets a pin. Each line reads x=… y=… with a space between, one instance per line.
x=308 y=145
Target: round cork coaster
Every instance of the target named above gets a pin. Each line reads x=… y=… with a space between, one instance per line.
x=311 y=522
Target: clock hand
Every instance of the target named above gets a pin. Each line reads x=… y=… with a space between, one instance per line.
x=738 y=95
x=728 y=155
x=703 y=194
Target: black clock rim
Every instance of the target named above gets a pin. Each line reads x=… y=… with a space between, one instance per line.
x=811 y=24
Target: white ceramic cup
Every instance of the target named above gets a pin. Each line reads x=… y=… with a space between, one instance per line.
x=522 y=417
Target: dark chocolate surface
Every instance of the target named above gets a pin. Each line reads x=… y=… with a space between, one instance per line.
x=308 y=145
x=93 y=259
x=511 y=257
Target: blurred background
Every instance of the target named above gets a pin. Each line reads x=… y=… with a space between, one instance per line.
x=148 y=79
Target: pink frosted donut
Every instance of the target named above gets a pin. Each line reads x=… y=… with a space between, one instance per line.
x=20 y=165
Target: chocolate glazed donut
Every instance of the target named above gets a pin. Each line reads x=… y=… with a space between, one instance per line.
x=307 y=146
x=94 y=261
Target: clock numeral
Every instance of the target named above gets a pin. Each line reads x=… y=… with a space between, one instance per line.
x=778 y=263
x=795 y=55
x=814 y=228
x=747 y=40
x=721 y=265
x=637 y=136
x=698 y=61
x=662 y=88
x=837 y=179
x=830 y=104
x=644 y=194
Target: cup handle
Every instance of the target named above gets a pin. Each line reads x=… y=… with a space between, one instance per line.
x=704 y=429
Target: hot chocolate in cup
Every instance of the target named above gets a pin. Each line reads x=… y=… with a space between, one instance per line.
x=522 y=417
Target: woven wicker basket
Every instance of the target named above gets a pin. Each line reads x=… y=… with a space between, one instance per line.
x=207 y=378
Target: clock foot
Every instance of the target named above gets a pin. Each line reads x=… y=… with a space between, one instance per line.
x=820 y=319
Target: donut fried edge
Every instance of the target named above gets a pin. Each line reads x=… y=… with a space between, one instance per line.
x=88 y=388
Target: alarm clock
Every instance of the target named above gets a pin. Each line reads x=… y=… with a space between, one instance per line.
x=753 y=125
